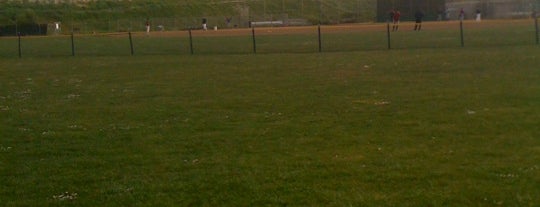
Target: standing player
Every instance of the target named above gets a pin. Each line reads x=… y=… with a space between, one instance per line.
x=396 y=17
x=147 y=27
x=204 y=22
x=418 y=16
x=57 y=27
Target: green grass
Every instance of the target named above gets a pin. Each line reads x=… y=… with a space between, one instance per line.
x=405 y=127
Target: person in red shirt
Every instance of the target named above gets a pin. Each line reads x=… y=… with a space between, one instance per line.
x=397 y=15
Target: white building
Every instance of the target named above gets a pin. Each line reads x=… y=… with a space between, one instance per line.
x=490 y=9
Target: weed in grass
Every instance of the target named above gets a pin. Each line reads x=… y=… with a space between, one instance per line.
x=5 y=149
x=65 y=196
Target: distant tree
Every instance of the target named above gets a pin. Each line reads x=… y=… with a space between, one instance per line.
x=27 y=16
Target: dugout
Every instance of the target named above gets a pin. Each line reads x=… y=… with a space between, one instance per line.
x=433 y=9
x=23 y=29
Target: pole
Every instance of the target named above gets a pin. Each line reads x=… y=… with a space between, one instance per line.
x=388 y=34
x=302 y=8
x=358 y=10
x=536 y=26
x=72 y=45
x=320 y=11
x=254 y=40
x=320 y=38
x=319 y=27
x=461 y=33
x=131 y=43
x=20 y=52
x=190 y=42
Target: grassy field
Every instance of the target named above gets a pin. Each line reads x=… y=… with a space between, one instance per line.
x=413 y=126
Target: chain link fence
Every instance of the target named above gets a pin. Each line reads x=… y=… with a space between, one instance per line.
x=265 y=40
x=285 y=26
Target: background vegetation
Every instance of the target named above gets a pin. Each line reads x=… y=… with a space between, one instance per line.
x=103 y=11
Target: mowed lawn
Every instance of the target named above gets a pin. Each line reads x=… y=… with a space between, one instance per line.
x=404 y=127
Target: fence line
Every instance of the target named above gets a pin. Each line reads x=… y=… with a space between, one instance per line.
x=280 y=39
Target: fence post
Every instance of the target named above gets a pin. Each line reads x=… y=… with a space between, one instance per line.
x=190 y=41
x=20 y=52
x=461 y=33
x=320 y=38
x=72 y=45
x=254 y=40
x=388 y=34
x=536 y=27
x=131 y=43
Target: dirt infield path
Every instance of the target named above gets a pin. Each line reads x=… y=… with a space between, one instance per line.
x=342 y=28
x=366 y=27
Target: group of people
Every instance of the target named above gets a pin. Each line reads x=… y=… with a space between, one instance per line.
x=395 y=15
x=204 y=24
x=478 y=15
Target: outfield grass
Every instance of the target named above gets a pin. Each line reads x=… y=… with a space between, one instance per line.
x=405 y=127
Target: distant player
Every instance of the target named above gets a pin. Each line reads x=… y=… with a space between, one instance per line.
x=204 y=22
x=147 y=24
x=395 y=21
x=57 y=27
x=461 y=15
x=228 y=21
x=418 y=16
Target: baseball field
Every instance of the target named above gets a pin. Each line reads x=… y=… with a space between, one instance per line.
x=425 y=123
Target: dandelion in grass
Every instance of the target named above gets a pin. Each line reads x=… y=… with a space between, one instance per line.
x=47 y=133
x=195 y=161
x=73 y=96
x=381 y=103
x=65 y=196
x=5 y=149
x=75 y=81
x=24 y=129
x=529 y=169
x=23 y=95
x=77 y=127
x=507 y=175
